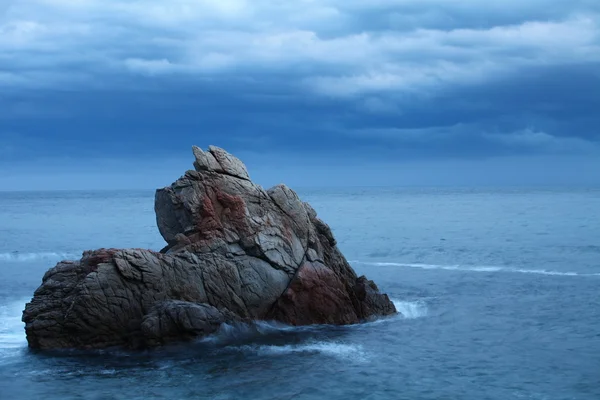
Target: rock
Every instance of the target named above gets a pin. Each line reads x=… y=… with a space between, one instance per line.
x=316 y=295
x=175 y=320
x=218 y=160
x=234 y=253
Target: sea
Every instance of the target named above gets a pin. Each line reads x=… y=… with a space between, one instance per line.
x=498 y=289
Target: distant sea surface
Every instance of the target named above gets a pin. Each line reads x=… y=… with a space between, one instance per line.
x=499 y=292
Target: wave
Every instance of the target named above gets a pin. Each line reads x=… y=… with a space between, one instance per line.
x=339 y=350
x=259 y=338
x=12 y=334
x=410 y=309
x=241 y=332
x=70 y=372
x=17 y=256
x=475 y=268
x=545 y=272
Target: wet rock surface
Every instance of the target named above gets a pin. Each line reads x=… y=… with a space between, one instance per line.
x=235 y=252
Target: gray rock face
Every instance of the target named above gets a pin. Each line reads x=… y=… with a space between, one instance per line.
x=234 y=253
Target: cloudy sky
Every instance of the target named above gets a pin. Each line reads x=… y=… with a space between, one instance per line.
x=112 y=94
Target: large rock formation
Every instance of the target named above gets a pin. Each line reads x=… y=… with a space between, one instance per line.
x=235 y=252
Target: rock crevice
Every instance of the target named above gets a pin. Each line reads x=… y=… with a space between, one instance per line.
x=234 y=253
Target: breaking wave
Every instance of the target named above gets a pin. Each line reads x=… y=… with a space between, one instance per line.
x=259 y=338
x=12 y=334
x=17 y=256
x=411 y=309
x=237 y=333
x=339 y=350
x=11 y=327
x=476 y=268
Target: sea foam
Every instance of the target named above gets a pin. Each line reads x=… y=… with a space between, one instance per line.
x=339 y=350
x=475 y=268
x=16 y=256
x=12 y=335
x=411 y=309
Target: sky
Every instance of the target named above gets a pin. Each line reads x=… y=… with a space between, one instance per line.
x=106 y=94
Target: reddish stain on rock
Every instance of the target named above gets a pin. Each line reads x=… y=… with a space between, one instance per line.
x=92 y=258
x=100 y=256
x=209 y=224
x=221 y=209
x=234 y=209
x=287 y=232
x=315 y=296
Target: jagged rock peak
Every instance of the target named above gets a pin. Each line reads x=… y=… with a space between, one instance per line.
x=218 y=160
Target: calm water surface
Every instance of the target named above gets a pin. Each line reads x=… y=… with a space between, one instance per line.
x=499 y=290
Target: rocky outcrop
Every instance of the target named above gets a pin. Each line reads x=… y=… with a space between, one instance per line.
x=235 y=252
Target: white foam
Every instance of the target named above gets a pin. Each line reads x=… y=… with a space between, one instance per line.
x=228 y=333
x=16 y=256
x=557 y=273
x=107 y=371
x=476 y=268
x=410 y=309
x=338 y=350
x=12 y=335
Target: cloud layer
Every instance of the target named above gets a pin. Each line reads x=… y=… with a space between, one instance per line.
x=396 y=79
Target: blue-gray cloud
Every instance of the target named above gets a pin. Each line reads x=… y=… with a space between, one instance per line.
x=331 y=47
x=392 y=80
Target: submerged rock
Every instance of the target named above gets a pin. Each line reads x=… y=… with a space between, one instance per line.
x=235 y=252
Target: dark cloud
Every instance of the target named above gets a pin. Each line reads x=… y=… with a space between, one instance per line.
x=384 y=83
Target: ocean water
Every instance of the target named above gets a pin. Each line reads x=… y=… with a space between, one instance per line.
x=499 y=291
